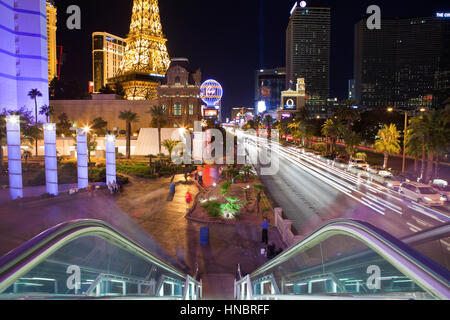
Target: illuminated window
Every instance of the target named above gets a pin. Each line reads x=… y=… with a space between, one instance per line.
x=191 y=109
x=177 y=109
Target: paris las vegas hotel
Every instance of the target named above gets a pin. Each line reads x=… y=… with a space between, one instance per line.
x=28 y=55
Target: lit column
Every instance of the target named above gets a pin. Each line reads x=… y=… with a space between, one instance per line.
x=110 y=142
x=51 y=163
x=14 y=157
x=82 y=159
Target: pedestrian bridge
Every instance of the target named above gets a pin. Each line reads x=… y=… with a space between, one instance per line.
x=344 y=260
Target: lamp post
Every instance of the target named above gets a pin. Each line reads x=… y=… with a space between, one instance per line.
x=110 y=159
x=82 y=159
x=14 y=156
x=51 y=163
x=405 y=138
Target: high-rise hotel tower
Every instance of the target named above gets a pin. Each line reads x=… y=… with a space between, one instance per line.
x=23 y=52
x=308 y=42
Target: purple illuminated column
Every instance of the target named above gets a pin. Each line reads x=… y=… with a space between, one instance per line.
x=82 y=159
x=110 y=142
x=14 y=157
x=51 y=163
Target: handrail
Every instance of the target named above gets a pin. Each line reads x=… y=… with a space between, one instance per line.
x=19 y=261
x=434 y=278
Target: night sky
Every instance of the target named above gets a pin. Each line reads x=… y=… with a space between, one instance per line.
x=229 y=39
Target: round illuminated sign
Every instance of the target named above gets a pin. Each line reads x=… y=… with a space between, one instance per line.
x=303 y=4
x=290 y=103
x=211 y=92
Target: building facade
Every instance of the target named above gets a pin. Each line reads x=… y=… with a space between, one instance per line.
x=402 y=65
x=351 y=90
x=23 y=53
x=268 y=87
x=51 y=40
x=308 y=42
x=179 y=94
x=293 y=101
x=107 y=54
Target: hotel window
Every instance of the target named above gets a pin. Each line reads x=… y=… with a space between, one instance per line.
x=177 y=81
x=164 y=108
x=191 y=109
x=177 y=109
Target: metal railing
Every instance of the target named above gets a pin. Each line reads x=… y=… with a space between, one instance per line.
x=19 y=262
x=428 y=275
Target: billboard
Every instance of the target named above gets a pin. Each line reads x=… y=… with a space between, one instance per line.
x=211 y=114
x=289 y=103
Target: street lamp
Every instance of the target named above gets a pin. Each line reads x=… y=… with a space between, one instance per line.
x=390 y=109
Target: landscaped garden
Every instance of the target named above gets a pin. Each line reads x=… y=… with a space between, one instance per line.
x=238 y=198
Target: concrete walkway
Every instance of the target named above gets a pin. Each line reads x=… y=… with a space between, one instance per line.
x=146 y=213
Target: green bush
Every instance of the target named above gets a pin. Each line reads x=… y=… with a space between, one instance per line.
x=213 y=208
x=225 y=188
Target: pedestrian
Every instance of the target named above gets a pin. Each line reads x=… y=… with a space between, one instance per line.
x=200 y=178
x=265 y=231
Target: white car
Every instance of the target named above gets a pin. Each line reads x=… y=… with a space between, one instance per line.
x=392 y=183
x=422 y=193
x=443 y=190
x=359 y=163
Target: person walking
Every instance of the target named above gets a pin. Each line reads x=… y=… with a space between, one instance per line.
x=200 y=178
x=265 y=231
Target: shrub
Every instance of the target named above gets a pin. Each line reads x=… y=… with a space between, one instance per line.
x=213 y=208
x=225 y=188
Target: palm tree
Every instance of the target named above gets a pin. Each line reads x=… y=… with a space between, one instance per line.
x=258 y=120
x=158 y=119
x=352 y=142
x=26 y=154
x=47 y=111
x=34 y=94
x=333 y=129
x=414 y=148
x=347 y=113
x=170 y=145
x=388 y=142
x=434 y=131
x=129 y=117
x=268 y=121
x=295 y=128
x=99 y=126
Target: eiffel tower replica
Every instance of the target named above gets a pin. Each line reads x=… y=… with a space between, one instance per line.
x=146 y=60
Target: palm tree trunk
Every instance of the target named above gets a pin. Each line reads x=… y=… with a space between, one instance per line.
x=436 y=168
x=416 y=166
x=422 y=170
x=128 y=140
x=429 y=167
x=36 y=123
x=386 y=159
x=159 y=136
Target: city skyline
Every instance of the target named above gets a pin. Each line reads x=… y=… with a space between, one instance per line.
x=224 y=55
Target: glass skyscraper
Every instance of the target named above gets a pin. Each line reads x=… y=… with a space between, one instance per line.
x=404 y=65
x=308 y=42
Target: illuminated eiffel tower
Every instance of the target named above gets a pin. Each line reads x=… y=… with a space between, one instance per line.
x=146 y=59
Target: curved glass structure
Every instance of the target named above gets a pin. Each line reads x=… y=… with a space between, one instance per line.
x=347 y=260
x=88 y=259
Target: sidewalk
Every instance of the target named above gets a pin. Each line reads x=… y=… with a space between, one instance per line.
x=179 y=238
x=146 y=214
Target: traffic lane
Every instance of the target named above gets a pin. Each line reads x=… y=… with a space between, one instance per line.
x=310 y=202
x=395 y=202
